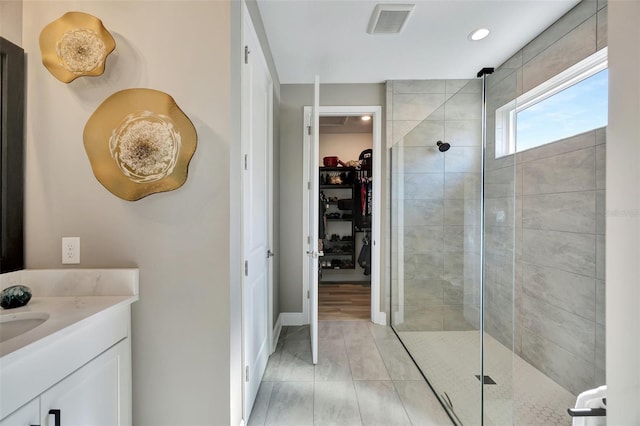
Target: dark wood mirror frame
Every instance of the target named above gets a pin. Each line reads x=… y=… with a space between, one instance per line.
x=12 y=88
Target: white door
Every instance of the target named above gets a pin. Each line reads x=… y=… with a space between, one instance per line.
x=257 y=90
x=313 y=251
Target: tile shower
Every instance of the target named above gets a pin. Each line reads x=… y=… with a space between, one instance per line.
x=529 y=272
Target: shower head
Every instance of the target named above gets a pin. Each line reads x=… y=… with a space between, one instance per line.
x=443 y=146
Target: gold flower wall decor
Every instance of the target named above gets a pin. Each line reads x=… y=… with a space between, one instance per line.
x=75 y=45
x=139 y=142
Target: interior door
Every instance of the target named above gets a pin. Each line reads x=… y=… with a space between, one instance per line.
x=314 y=194
x=257 y=89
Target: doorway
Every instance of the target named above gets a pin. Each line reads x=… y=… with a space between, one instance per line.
x=345 y=211
x=349 y=202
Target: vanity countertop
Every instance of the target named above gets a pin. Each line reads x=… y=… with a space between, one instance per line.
x=88 y=312
x=65 y=313
x=68 y=297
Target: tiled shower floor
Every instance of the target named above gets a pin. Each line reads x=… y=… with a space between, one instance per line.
x=450 y=359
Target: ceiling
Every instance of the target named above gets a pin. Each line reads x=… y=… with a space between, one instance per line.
x=329 y=38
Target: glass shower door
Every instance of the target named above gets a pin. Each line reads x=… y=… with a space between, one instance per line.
x=497 y=251
x=436 y=241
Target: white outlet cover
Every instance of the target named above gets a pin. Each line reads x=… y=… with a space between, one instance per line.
x=70 y=250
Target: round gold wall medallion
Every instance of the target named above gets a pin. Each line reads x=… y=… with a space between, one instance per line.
x=75 y=45
x=139 y=142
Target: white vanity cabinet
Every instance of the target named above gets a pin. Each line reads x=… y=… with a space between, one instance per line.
x=82 y=373
x=96 y=394
x=27 y=415
x=73 y=369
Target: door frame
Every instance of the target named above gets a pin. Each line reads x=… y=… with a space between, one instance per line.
x=256 y=54
x=377 y=315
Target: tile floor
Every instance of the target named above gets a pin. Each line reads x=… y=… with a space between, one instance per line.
x=363 y=377
x=522 y=394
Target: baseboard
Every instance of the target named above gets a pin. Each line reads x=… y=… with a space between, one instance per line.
x=277 y=329
x=380 y=318
x=292 y=318
x=297 y=318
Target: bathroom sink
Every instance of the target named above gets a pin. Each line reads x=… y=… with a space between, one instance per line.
x=12 y=325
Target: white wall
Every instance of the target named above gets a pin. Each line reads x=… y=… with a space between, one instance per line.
x=11 y=20
x=623 y=215
x=179 y=240
x=346 y=146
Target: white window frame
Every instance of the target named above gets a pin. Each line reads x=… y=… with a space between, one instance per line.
x=506 y=114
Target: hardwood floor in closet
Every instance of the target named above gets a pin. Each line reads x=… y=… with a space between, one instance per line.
x=344 y=301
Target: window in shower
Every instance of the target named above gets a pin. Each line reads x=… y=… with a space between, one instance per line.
x=573 y=102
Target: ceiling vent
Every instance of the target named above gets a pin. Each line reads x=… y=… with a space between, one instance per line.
x=389 y=18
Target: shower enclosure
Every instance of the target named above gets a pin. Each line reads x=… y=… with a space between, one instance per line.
x=497 y=278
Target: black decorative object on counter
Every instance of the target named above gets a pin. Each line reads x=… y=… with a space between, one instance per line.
x=15 y=296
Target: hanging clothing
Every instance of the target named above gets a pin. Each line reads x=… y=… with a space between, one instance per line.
x=369 y=196
x=364 y=258
x=363 y=197
x=322 y=225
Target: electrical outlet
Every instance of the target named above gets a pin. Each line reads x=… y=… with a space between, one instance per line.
x=70 y=250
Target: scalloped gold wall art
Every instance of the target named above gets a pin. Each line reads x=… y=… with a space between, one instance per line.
x=139 y=142
x=75 y=45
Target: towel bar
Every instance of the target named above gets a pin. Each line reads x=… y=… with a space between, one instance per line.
x=587 y=412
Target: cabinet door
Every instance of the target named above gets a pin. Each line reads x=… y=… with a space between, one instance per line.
x=92 y=395
x=27 y=415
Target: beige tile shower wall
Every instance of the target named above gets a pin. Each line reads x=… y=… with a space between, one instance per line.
x=435 y=198
x=559 y=265
x=545 y=210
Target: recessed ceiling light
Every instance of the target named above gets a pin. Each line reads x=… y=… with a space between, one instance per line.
x=479 y=34
x=366 y=117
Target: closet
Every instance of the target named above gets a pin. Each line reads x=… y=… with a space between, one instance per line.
x=346 y=191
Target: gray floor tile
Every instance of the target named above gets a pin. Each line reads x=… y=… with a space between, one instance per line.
x=333 y=362
x=260 y=406
x=271 y=371
x=335 y=404
x=355 y=330
x=421 y=404
x=296 y=345
x=295 y=362
x=365 y=360
x=379 y=404
x=291 y=404
x=294 y=392
x=300 y=332
x=381 y=332
x=398 y=363
x=330 y=330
